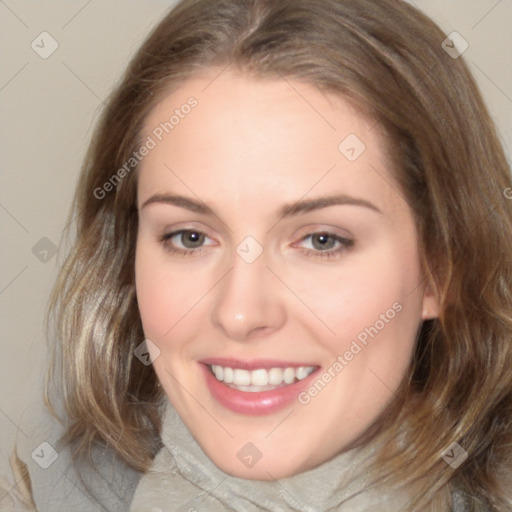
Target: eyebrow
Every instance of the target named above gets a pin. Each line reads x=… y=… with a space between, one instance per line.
x=180 y=201
x=289 y=210
x=306 y=206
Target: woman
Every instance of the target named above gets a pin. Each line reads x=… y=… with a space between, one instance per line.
x=291 y=282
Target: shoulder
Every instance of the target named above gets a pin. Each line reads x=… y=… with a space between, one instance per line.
x=47 y=478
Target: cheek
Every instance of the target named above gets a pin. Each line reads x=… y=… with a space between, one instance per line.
x=159 y=305
x=375 y=297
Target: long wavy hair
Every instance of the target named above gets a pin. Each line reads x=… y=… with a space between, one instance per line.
x=386 y=58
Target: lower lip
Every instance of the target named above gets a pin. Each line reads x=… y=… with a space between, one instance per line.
x=257 y=403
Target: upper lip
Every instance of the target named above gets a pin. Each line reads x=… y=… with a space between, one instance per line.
x=254 y=364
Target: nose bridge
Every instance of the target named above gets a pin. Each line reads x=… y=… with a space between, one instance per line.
x=247 y=301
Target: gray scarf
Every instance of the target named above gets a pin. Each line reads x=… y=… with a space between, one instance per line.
x=183 y=479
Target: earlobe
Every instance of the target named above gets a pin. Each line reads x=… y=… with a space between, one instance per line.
x=428 y=315
x=430 y=305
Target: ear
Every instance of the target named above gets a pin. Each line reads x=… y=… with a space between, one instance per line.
x=430 y=304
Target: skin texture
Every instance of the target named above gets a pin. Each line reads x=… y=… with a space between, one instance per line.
x=248 y=148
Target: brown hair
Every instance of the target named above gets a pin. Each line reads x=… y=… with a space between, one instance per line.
x=386 y=58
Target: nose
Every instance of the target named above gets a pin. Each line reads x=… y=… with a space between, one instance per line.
x=249 y=302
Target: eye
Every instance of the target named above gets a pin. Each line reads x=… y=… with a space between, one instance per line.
x=186 y=241
x=324 y=244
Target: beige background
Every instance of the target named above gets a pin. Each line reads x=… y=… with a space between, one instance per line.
x=48 y=109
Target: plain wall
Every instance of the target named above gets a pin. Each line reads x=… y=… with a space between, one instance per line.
x=48 y=110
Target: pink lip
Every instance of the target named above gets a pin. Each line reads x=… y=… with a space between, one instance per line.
x=254 y=364
x=259 y=403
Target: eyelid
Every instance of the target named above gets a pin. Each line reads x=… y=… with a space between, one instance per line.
x=165 y=240
x=344 y=244
x=168 y=236
x=199 y=227
x=334 y=231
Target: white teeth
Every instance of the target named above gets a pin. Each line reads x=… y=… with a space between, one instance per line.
x=302 y=372
x=241 y=377
x=275 y=376
x=219 y=372
x=260 y=379
x=289 y=375
x=228 y=375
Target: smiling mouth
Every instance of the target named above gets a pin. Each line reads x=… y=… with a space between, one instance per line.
x=260 y=379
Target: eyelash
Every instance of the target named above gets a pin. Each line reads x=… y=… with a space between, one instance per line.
x=166 y=237
x=344 y=244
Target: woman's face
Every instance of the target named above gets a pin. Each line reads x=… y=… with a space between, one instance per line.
x=276 y=250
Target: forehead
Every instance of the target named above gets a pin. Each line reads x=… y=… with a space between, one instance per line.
x=252 y=137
